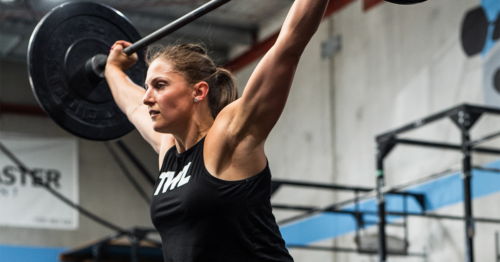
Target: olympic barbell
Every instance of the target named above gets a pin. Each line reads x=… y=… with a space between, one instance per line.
x=67 y=57
x=66 y=61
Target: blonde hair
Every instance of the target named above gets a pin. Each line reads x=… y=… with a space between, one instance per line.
x=192 y=61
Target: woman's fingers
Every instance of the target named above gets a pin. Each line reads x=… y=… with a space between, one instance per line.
x=119 y=58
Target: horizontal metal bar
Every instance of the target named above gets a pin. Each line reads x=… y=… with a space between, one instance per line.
x=484 y=139
x=428 y=144
x=487 y=169
x=322 y=185
x=446 y=146
x=349 y=250
x=482 y=109
x=396 y=224
x=450 y=217
x=436 y=216
x=437 y=116
x=419 y=123
x=333 y=249
x=294 y=207
x=486 y=150
x=371 y=194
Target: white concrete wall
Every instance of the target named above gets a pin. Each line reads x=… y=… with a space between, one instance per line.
x=397 y=64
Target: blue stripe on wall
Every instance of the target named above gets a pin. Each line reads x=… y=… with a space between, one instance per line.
x=30 y=254
x=439 y=193
x=492 y=9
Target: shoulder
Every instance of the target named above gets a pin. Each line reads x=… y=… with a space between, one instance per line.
x=230 y=153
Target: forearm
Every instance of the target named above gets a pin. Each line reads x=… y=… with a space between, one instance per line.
x=127 y=95
x=300 y=25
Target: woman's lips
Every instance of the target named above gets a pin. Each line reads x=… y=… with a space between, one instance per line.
x=153 y=113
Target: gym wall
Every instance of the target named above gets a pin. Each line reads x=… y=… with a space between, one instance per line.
x=396 y=64
x=103 y=188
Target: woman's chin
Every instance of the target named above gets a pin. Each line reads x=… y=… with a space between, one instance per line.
x=160 y=128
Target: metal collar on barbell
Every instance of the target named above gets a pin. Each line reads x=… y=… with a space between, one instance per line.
x=66 y=61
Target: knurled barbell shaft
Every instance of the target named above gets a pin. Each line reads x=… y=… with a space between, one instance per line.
x=98 y=68
x=174 y=26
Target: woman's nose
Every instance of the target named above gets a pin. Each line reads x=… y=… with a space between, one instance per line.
x=148 y=98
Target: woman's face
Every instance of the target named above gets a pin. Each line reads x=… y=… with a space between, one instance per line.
x=169 y=97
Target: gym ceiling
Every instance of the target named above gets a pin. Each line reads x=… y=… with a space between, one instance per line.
x=235 y=24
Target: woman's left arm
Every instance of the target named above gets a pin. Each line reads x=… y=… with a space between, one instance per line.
x=257 y=111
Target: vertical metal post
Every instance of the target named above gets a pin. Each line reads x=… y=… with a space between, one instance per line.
x=497 y=248
x=96 y=252
x=464 y=120
x=382 y=248
x=405 y=217
x=356 y=209
x=134 y=246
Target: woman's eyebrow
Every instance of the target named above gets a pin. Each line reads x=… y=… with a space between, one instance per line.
x=150 y=81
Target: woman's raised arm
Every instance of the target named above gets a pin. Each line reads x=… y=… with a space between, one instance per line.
x=128 y=96
x=266 y=92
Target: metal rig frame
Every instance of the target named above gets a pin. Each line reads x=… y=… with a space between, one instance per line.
x=464 y=116
x=357 y=214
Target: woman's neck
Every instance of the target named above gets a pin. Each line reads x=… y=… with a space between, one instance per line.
x=196 y=130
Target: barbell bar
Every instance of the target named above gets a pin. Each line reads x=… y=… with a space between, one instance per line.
x=98 y=63
x=66 y=61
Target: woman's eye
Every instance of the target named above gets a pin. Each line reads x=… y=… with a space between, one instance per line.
x=160 y=85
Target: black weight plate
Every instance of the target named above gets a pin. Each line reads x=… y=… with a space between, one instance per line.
x=406 y=2
x=474 y=31
x=59 y=47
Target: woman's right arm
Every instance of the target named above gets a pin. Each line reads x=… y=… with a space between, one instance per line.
x=128 y=95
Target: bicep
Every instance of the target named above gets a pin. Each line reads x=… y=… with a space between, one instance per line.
x=265 y=94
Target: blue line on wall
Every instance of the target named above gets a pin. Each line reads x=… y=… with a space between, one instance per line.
x=492 y=9
x=439 y=193
x=30 y=253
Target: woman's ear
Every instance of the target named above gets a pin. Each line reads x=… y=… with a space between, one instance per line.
x=201 y=91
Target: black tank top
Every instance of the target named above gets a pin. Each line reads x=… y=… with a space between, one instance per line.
x=203 y=218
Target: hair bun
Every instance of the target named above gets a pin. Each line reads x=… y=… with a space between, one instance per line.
x=194 y=48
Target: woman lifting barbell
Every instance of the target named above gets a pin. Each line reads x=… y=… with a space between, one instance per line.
x=212 y=199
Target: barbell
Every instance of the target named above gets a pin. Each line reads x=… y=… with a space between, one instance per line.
x=67 y=55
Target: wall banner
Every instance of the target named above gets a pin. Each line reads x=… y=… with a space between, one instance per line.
x=24 y=202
